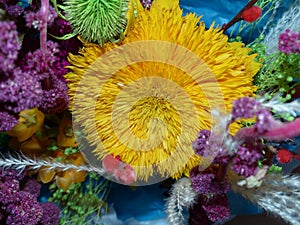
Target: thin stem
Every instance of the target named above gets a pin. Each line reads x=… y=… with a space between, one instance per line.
x=238 y=16
x=43 y=34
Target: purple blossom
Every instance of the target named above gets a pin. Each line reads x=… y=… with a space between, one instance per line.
x=289 y=42
x=55 y=96
x=39 y=64
x=205 y=182
x=146 y=3
x=216 y=207
x=35 y=19
x=20 y=91
x=245 y=108
x=200 y=144
x=201 y=182
x=25 y=210
x=12 y=7
x=246 y=161
x=51 y=214
x=9 y=45
x=264 y=121
x=59 y=28
x=7 y=121
x=31 y=186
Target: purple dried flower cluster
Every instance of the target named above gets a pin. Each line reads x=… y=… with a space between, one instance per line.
x=18 y=201
x=205 y=182
x=209 y=209
x=12 y=7
x=200 y=144
x=248 y=108
x=146 y=3
x=289 y=42
x=18 y=89
x=9 y=46
x=35 y=19
x=36 y=82
x=246 y=161
x=216 y=207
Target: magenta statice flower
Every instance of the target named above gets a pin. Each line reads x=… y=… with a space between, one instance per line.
x=39 y=64
x=205 y=182
x=200 y=144
x=146 y=3
x=9 y=45
x=35 y=19
x=246 y=161
x=59 y=28
x=7 y=121
x=201 y=182
x=216 y=207
x=18 y=201
x=289 y=42
x=12 y=7
x=55 y=96
x=25 y=210
x=51 y=214
x=31 y=186
x=245 y=108
x=248 y=108
x=20 y=91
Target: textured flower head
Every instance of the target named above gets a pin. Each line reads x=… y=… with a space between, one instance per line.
x=171 y=71
x=98 y=21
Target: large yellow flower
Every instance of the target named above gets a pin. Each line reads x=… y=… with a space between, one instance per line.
x=145 y=99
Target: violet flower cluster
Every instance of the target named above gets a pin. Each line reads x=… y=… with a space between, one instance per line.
x=18 y=201
x=241 y=153
x=31 y=77
x=289 y=42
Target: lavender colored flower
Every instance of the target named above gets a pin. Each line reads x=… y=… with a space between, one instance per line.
x=216 y=207
x=41 y=65
x=146 y=3
x=245 y=108
x=9 y=174
x=12 y=7
x=50 y=215
x=9 y=45
x=55 y=96
x=201 y=182
x=200 y=144
x=31 y=186
x=25 y=210
x=246 y=161
x=289 y=42
x=59 y=28
x=20 y=91
x=263 y=121
x=8 y=190
x=205 y=183
x=7 y=121
x=35 y=19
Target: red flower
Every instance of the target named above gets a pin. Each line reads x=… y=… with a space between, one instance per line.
x=284 y=156
x=252 y=14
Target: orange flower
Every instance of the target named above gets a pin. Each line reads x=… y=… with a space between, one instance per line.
x=30 y=121
x=65 y=136
x=64 y=179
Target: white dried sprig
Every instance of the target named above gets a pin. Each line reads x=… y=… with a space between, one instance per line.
x=289 y=20
x=182 y=197
x=19 y=162
x=292 y=108
x=278 y=195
